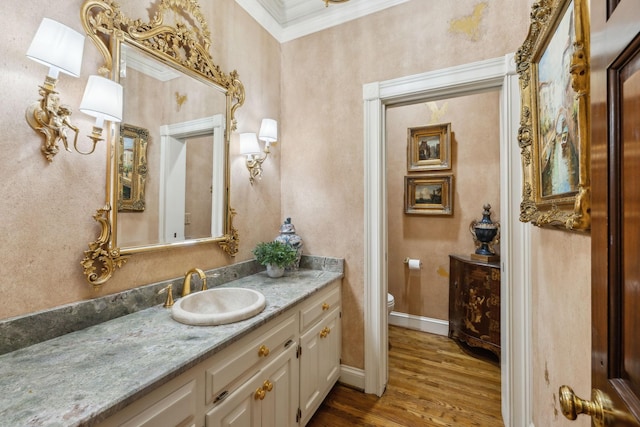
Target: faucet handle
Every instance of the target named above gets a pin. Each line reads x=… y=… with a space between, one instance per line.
x=169 y=290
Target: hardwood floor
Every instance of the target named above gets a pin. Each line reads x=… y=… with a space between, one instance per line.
x=432 y=382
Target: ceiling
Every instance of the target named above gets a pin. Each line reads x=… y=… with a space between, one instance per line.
x=286 y=20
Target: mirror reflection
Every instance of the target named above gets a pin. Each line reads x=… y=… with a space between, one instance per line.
x=132 y=168
x=183 y=189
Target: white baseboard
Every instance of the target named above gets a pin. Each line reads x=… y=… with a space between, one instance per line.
x=419 y=323
x=352 y=377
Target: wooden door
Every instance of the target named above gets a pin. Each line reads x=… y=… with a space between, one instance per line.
x=615 y=154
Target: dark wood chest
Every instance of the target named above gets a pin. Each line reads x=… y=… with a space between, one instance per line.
x=474 y=302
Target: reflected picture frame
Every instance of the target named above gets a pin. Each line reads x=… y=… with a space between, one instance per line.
x=428 y=194
x=429 y=148
x=132 y=168
x=553 y=136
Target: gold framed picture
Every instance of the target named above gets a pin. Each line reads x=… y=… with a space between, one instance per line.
x=554 y=133
x=428 y=194
x=132 y=168
x=429 y=148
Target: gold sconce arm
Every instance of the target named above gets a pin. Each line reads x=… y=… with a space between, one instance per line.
x=96 y=136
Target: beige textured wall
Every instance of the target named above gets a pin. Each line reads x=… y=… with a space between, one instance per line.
x=561 y=297
x=46 y=210
x=475 y=165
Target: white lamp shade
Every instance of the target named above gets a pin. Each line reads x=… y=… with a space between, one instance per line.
x=57 y=46
x=102 y=99
x=269 y=130
x=249 y=144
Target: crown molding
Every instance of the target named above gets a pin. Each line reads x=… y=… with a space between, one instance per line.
x=311 y=21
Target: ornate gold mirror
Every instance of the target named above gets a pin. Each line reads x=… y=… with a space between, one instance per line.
x=168 y=162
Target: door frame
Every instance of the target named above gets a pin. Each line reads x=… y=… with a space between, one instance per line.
x=176 y=134
x=492 y=74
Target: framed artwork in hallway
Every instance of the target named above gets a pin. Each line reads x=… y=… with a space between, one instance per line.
x=428 y=195
x=429 y=148
x=553 y=136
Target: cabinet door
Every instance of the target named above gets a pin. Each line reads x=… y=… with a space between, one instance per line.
x=240 y=409
x=268 y=399
x=478 y=295
x=280 y=405
x=319 y=362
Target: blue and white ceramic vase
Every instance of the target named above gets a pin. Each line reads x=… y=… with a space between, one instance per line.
x=288 y=236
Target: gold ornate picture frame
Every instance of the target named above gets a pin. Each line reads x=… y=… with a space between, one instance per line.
x=554 y=134
x=428 y=194
x=132 y=168
x=429 y=148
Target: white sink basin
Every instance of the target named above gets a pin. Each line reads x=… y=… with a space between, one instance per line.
x=218 y=306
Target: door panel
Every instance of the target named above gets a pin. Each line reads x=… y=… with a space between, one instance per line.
x=615 y=156
x=628 y=76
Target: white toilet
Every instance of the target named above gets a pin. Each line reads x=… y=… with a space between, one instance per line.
x=391 y=302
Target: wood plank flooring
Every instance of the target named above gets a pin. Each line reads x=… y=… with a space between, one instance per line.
x=432 y=382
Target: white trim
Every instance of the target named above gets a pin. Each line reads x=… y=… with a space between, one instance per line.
x=419 y=323
x=352 y=377
x=491 y=74
x=516 y=316
x=314 y=21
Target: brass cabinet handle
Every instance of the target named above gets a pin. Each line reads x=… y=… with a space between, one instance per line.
x=325 y=306
x=600 y=408
x=267 y=386
x=263 y=351
x=259 y=394
x=326 y=331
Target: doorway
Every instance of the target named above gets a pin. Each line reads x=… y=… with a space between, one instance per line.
x=498 y=74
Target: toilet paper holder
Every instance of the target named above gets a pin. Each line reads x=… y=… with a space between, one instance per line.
x=414 y=264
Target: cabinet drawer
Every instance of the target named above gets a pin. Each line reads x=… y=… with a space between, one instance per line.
x=319 y=306
x=169 y=406
x=236 y=363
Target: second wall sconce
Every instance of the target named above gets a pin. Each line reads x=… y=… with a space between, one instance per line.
x=60 y=48
x=250 y=147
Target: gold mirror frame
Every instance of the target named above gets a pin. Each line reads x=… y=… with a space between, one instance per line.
x=184 y=46
x=565 y=209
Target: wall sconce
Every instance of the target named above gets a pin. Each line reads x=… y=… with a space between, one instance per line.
x=250 y=147
x=60 y=48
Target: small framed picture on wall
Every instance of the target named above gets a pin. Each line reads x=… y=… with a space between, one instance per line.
x=428 y=195
x=429 y=148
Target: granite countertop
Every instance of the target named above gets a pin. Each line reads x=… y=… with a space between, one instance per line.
x=83 y=377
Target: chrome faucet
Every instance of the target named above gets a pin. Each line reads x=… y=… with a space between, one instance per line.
x=186 y=286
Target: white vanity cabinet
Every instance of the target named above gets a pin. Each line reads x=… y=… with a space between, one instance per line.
x=276 y=376
x=320 y=350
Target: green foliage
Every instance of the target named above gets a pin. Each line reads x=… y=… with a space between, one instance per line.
x=275 y=253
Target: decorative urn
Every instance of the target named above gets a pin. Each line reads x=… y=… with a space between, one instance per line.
x=486 y=233
x=288 y=235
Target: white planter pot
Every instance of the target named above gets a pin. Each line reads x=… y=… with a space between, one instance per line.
x=274 y=271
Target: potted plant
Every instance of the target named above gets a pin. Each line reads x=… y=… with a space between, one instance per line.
x=275 y=255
